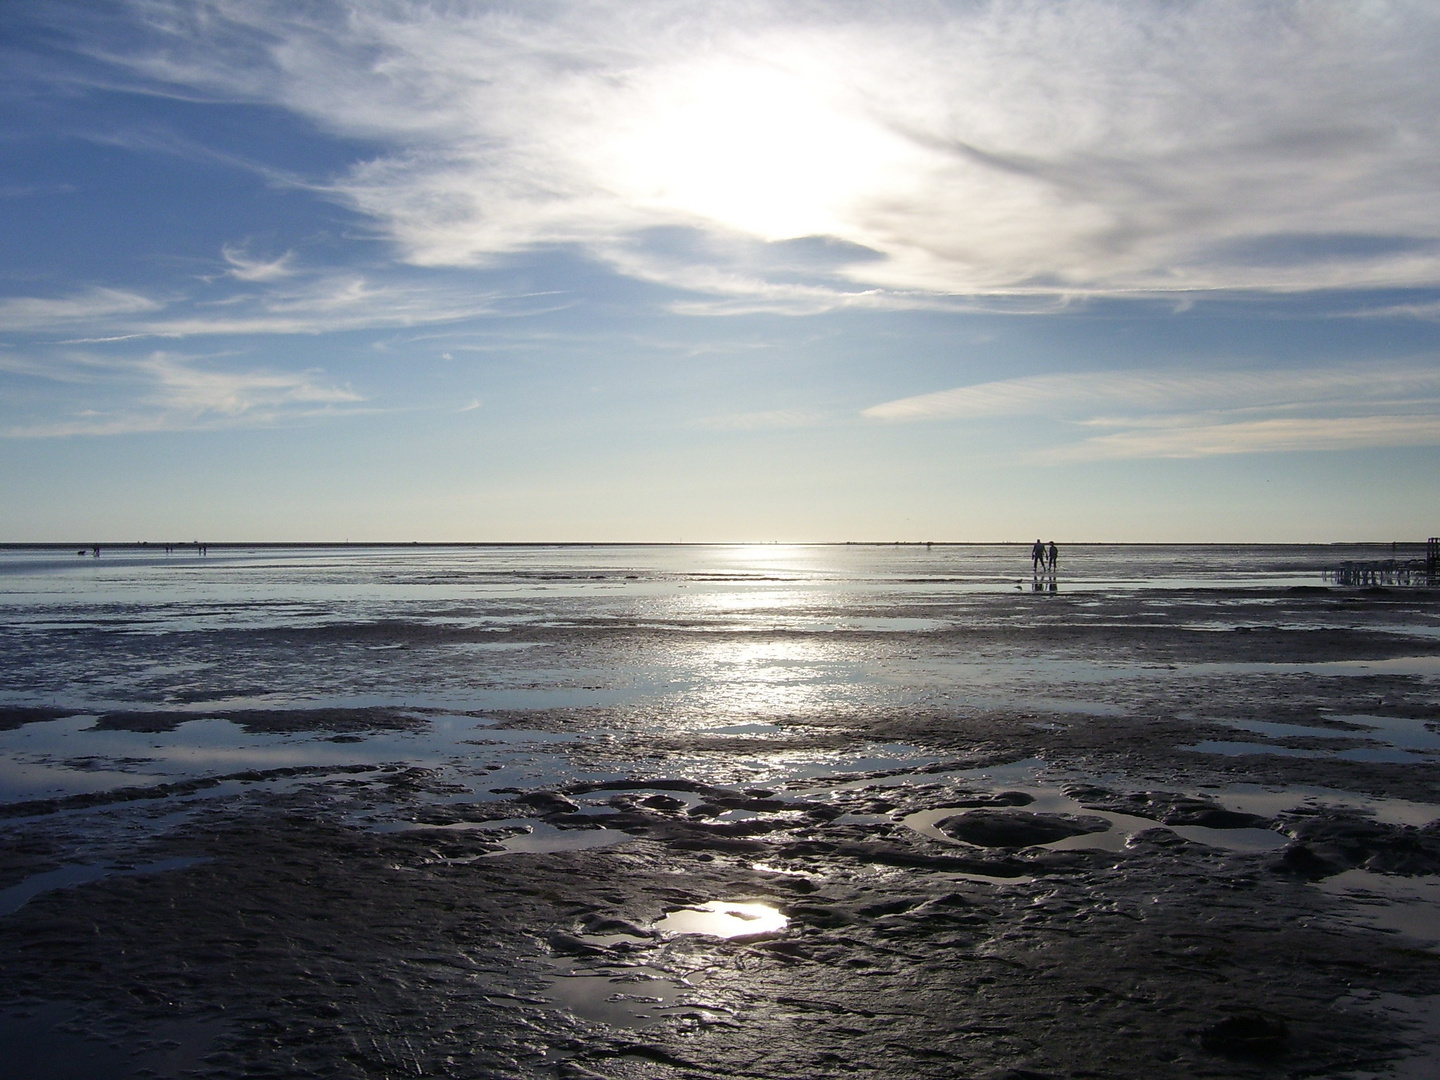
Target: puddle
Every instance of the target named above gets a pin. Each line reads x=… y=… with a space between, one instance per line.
x=1121 y=826
x=1407 y=906
x=636 y=997
x=926 y=823
x=37 y=761
x=1421 y=1016
x=541 y=837
x=1378 y=754
x=68 y=877
x=1407 y=733
x=516 y=835
x=1253 y=799
x=1230 y=839
x=22 y=780
x=1400 y=665
x=1397 y=732
x=724 y=919
x=485 y=736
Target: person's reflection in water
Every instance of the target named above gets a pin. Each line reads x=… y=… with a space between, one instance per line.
x=1052 y=555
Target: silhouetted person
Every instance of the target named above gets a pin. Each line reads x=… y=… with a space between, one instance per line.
x=1051 y=556
x=1037 y=556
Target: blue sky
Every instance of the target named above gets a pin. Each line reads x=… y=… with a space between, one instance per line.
x=720 y=271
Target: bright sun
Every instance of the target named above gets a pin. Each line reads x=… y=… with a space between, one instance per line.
x=756 y=149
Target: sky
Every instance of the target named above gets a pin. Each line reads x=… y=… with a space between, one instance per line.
x=622 y=270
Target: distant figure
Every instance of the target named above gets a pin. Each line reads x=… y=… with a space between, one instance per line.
x=1051 y=556
x=1037 y=555
x=96 y=549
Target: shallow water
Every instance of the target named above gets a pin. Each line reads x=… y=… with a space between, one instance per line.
x=1236 y=749
x=1121 y=827
x=15 y=897
x=1406 y=906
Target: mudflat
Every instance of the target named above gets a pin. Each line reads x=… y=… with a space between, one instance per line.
x=689 y=814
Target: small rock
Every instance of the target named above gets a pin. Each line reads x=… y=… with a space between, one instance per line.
x=1301 y=861
x=1017 y=828
x=1214 y=817
x=1246 y=1035
x=548 y=802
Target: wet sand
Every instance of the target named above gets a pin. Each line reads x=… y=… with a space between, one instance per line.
x=1119 y=833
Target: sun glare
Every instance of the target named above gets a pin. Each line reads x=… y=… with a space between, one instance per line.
x=756 y=149
x=751 y=555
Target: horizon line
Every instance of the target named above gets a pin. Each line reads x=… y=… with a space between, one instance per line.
x=234 y=545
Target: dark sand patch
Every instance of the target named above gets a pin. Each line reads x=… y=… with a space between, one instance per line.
x=1017 y=828
x=16 y=716
x=262 y=721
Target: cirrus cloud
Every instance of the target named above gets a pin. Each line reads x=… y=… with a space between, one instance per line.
x=27 y=313
x=169 y=392
x=1165 y=414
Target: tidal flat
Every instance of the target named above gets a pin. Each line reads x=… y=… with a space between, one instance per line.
x=757 y=811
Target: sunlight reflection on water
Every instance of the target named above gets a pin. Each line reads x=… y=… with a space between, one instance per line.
x=723 y=919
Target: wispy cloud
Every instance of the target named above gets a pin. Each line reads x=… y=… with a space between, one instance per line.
x=246 y=268
x=24 y=313
x=167 y=392
x=1111 y=147
x=185 y=387
x=1163 y=414
x=276 y=298
x=1077 y=393
x=1429 y=311
x=25 y=191
x=1258 y=436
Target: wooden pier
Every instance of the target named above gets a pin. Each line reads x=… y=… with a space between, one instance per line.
x=1404 y=573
